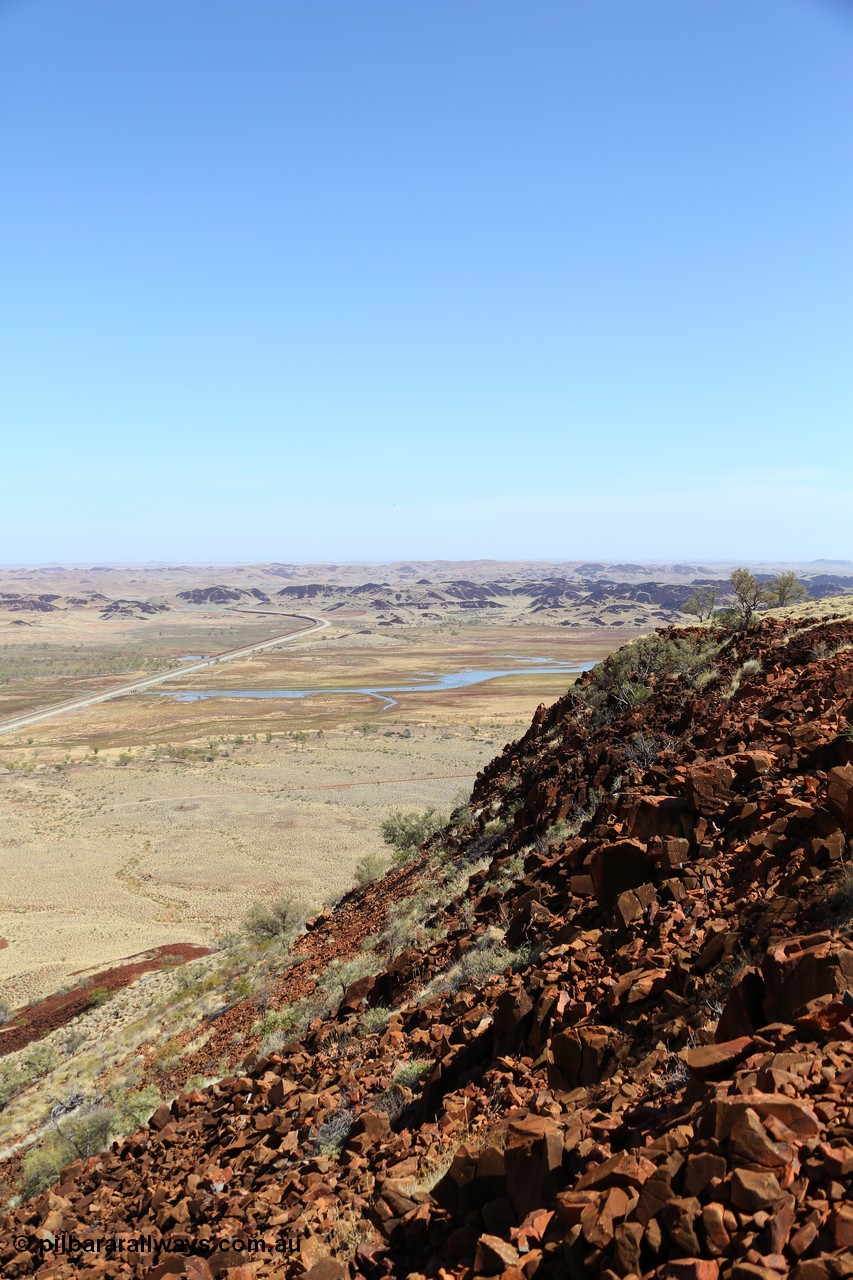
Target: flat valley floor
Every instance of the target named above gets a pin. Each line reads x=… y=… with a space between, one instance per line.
x=148 y=821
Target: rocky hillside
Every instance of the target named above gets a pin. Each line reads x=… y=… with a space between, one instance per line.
x=600 y=1025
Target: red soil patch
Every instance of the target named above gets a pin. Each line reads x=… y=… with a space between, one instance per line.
x=36 y=1020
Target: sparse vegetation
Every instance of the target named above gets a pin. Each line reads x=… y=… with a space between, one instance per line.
x=368 y=869
x=644 y=750
x=409 y=1074
x=333 y=1133
x=749 y=596
x=785 y=589
x=374 y=1020
x=77 y=1137
x=488 y=957
x=622 y=681
x=405 y=832
x=701 y=603
x=280 y=919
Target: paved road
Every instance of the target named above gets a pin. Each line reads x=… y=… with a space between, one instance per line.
x=148 y=682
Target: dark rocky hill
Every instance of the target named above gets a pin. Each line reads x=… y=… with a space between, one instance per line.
x=220 y=594
x=601 y=1025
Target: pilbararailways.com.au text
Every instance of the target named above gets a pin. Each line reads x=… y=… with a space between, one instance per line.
x=107 y=1246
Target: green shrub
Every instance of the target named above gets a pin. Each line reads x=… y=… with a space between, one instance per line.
x=282 y=918
x=368 y=869
x=341 y=974
x=405 y=832
x=785 y=589
x=134 y=1108
x=409 y=1074
x=749 y=595
x=77 y=1137
x=372 y=1021
x=241 y=987
x=556 y=831
x=701 y=603
x=273 y=1042
x=620 y=683
x=487 y=958
x=392 y=1102
x=459 y=806
x=291 y=1021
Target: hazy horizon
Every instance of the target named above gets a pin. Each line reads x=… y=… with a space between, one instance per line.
x=714 y=562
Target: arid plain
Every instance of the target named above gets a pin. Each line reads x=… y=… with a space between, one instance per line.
x=149 y=820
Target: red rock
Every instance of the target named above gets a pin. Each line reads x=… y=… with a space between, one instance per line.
x=571 y=1204
x=622 y=1170
x=691 y=1269
x=680 y=1217
x=161 y=1117
x=374 y=1124
x=756 y=763
x=743 y=1012
x=752 y=1191
x=700 y=1170
x=625 y=864
x=749 y=1142
x=494 y=1255
x=837 y=1160
x=657 y=1191
x=840 y=794
x=716 y=1236
x=801 y=969
x=598 y=1219
x=580 y=1054
x=627 y=1240
x=717 y=1061
x=841 y=1226
x=823 y=1018
x=744 y=1270
x=671 y=853
x=825 y=1267
x=627 y=908
x=793 y=1113
x=533 y=1156
x=174 y=1264
x=650 y=816
x=709 y=787
x=803 y=1239
x=199 y=1269
x=323 y=1269
x=781 y=1224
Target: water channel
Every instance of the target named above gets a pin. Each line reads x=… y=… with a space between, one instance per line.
x=454 y=680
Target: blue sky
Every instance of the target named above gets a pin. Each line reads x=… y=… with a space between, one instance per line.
x=376 y=280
